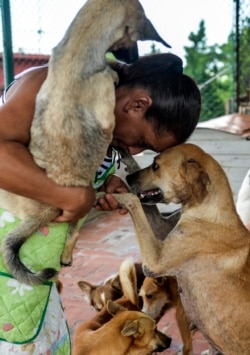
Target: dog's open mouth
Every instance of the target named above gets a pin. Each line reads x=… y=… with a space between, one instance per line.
x=150 y=196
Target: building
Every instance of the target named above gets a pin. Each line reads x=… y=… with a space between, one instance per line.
x=22 y=61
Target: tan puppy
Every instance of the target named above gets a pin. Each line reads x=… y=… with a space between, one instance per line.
x=208 y=250
x=73 y=124
x=160 y=295
x=128 y=332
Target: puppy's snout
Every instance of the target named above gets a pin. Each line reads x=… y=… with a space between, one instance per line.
x=164 y=342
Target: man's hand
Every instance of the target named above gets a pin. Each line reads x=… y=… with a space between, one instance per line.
x=113 y=184
x=78 y=202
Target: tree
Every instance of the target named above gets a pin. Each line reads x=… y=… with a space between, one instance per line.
x=244 y=58
x=211 y=68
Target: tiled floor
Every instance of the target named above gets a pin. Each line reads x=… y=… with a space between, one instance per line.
x=103 y=244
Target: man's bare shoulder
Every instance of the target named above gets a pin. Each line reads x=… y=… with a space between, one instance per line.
x=17 y=113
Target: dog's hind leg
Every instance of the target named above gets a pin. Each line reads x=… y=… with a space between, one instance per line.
x=72 y=235
x=184 y=327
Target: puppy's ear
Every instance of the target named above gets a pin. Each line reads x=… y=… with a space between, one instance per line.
x=161 y=281
x=87 y=290
x=131 y=328
x=198 y=179
x=114 y=308
x=116 y=284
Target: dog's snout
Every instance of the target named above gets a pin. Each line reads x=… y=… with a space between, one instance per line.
x=131 y=179
x=164 y=342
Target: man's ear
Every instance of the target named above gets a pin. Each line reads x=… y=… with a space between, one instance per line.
x=139 y=103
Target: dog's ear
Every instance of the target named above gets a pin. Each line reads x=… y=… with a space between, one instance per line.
x=114 y=308
x=161 y=281
x=197 y=178
x=87 y=290
x=116 y=284
x=132 y=328
x=137 y=327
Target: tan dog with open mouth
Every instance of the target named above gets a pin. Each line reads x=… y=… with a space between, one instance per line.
x=73 y=125
x=208 y=250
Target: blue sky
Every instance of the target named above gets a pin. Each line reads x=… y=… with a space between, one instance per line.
x=173 y=19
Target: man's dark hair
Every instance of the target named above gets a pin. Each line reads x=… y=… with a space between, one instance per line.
x=176 y=97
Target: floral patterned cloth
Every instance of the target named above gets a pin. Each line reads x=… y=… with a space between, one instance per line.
x=31 y=317
x=32 y=321
x=53 y=337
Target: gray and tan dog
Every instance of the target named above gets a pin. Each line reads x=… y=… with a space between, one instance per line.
x=73 y=125
x=208 y=250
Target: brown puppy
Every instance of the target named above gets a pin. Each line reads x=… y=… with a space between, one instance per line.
x=128 y=332
x=97 y=295
x=73 y=125
x=208 y=250
x=130 y=273
x=160 y=295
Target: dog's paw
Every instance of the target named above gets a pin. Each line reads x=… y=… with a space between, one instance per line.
x=66 y=263
x=66 y=257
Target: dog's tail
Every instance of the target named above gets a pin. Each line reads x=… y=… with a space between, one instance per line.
x=128 y=280
x=10 y=252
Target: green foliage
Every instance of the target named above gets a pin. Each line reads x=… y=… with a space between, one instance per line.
x=211 y=67
x=214 y=67
x=244 y=72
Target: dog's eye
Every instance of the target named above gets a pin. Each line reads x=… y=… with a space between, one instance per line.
x=155 y=166
x=149 y=297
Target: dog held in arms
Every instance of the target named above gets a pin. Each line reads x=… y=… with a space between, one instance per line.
x=207 y=251
x=73 y=125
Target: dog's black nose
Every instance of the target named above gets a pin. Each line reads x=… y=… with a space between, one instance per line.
x=165 y=342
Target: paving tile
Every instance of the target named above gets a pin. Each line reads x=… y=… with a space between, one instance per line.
x=102 y=245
